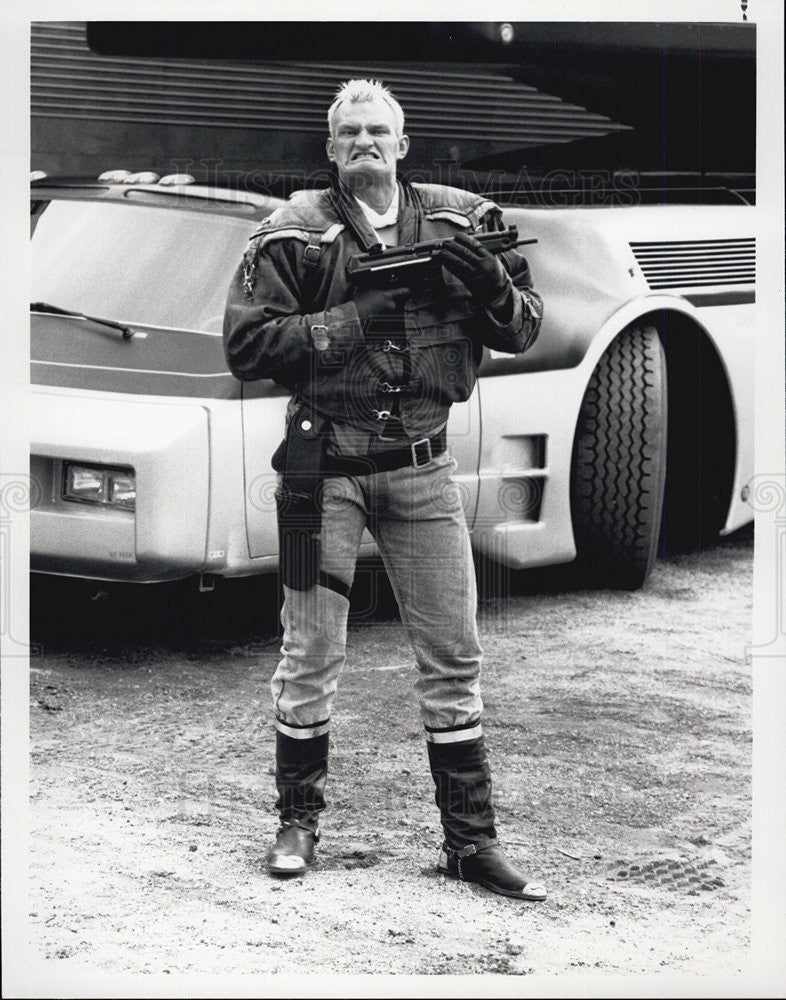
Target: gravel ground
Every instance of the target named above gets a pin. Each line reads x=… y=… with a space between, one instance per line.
x=619 y=726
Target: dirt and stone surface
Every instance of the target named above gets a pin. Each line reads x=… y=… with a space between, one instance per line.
x=620 y=733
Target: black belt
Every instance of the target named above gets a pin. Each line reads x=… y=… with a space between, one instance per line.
x=418 y=454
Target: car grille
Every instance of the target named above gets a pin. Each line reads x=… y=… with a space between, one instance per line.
x=697 y=263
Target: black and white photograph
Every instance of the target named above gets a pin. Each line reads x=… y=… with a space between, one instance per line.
x=392 y=501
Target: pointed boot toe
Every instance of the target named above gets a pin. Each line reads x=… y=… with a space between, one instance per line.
x=489 y=868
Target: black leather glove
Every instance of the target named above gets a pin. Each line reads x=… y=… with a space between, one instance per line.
x=376 y=303
x=479 y=270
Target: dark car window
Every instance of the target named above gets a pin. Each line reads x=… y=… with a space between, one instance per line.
x=139 y=264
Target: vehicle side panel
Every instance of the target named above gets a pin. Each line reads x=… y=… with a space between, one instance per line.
x=585 y=269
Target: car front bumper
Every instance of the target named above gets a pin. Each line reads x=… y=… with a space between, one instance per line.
x=167 y=445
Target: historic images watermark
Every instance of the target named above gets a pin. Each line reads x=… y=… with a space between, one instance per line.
x=19 y=493
x=767 y=495
x=558 y=187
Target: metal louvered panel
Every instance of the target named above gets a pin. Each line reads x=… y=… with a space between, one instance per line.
x=70 y=81
x=50 y=84
x=694 y=263
x=288 y=121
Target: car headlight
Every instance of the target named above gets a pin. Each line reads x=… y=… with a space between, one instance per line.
x=99 y=484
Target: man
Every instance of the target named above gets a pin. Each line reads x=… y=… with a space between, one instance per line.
x=373 y=374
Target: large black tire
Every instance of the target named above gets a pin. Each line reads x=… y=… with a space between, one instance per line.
x=619 y=462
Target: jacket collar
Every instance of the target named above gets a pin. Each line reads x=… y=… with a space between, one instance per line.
x=354 y=218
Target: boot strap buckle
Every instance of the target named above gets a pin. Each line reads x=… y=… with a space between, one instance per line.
x=285 y=824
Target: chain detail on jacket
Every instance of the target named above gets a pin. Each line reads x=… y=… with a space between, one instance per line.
x=290 y=314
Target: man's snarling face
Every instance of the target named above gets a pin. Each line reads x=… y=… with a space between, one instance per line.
x=365 y=145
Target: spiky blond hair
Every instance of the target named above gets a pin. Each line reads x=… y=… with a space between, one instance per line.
x=362 y=91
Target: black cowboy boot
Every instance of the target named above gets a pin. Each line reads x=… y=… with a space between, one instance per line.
x=301 y=773
x=470 y=851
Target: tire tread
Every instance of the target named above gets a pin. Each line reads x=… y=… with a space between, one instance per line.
x=619 y=461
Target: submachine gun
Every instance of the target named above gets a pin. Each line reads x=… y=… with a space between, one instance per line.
x=413 y=264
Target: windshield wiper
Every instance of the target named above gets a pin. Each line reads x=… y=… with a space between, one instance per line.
x=46 y=307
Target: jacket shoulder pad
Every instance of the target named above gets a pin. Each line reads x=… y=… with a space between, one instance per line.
x=441 y=197
x=309 y=211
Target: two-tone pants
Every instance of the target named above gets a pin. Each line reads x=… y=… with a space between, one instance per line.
x=416 y=517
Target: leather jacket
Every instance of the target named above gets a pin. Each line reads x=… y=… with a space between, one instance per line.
x=290 y=314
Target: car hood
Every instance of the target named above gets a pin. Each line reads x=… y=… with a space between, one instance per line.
x=81 y=354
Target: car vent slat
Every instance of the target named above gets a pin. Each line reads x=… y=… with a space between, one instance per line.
x=702 y=267
x=693 y=263
x=701 y=282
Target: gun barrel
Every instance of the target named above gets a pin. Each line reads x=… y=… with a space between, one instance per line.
x=420 y=256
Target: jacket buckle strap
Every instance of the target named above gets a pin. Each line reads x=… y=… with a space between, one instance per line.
x=313 y=251
x=320 y=337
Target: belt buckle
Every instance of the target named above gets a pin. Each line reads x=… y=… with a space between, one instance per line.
x=414 y=449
